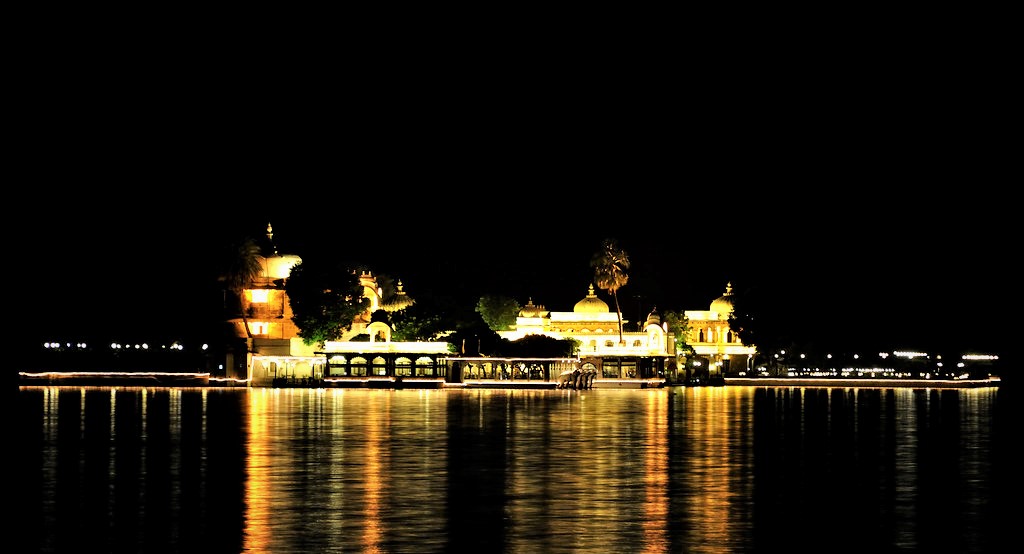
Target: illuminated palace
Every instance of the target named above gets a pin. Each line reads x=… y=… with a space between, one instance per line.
x=642 y=357
x=716 y=349
x=647 y=358
x=275 y=353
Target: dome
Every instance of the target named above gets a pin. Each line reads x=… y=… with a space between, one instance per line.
x=531 y=310
x=280 y=266
x=399 y=301
x=653 y=318
x=724 y=304
x=591 y=304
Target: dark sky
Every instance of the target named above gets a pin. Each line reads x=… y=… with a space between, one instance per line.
x=920 y=268
x=860 y=204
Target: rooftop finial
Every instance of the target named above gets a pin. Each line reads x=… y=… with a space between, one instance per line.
x=270 y=238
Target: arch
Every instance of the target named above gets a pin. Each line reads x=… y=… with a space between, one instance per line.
x=379 y=366
x=379 y=332
x=358 y=366
x=403 y=366
x=425 y=367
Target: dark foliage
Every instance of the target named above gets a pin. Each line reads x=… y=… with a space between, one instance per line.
x=325 y=298
x=537 y=346
x=498 y=311
x=379 y=316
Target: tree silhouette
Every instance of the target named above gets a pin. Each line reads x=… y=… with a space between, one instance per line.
x=499 y=312
x=243 y=268
x=610 y=264
x=325 y=300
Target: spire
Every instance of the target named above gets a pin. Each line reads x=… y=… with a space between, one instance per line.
x=270 y=239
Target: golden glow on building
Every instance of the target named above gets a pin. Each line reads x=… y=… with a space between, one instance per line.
x=258 y=296
x=710 y=337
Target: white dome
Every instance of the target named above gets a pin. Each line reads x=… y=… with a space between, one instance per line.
x=591 y=304
x=400 y=301
x=280 y=267
x=724 y=304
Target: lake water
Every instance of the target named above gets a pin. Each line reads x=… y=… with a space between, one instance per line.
x=697 y=469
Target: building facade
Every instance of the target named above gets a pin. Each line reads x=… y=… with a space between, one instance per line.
x=716 y=349
x=642 y=358
x=274 y=353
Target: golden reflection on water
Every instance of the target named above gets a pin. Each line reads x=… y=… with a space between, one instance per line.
x=377 y=418
x=655 y=476
x=668 y=470
x=258 y=494
x=342 y=468
x=715 y=430
x=581 y=469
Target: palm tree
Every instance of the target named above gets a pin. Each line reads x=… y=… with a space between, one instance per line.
x=610 y=264
x=243 y=268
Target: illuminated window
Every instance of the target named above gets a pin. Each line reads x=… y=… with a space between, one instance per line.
x=424 y=366
x=358 y=366
x=610 y=369
x=259 y=296
x=403 y=366
x=628 y=369
x=379 y=366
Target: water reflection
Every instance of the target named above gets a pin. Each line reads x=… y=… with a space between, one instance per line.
x=715 y=469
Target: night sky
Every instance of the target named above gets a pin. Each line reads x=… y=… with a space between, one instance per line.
x=921 y=274
x=874 y=211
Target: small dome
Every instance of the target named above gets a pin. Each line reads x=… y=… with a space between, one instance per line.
x=277 y=266
x=399 y=301
x=653 y=318
x=591 y=304
x=531 y=310
x=280 y=266
x=724 y=304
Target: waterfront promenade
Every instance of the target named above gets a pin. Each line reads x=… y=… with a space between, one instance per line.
x=182 y=379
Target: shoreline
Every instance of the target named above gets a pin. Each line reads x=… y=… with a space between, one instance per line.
x=174 y=379
x=878 y=382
